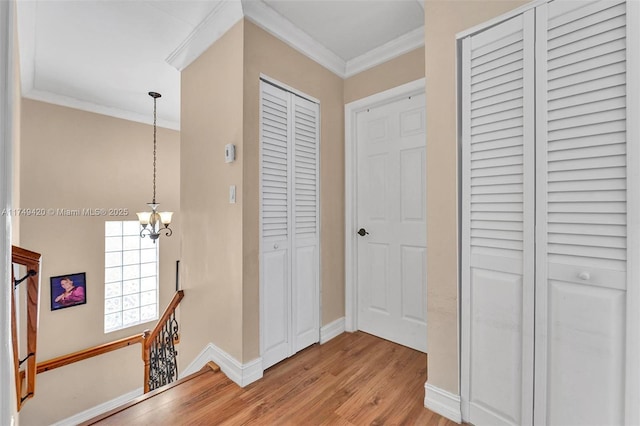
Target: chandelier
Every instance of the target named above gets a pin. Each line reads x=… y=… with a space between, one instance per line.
x=154 y=223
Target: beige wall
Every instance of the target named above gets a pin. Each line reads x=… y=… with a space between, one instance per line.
x=403 y=69
x=75 y=159
x=266 y=54
x=443 y=19
x=212 y=230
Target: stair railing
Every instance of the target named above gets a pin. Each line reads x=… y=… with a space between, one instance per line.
x=158 y=349
x=160 y=354
x=30 y=260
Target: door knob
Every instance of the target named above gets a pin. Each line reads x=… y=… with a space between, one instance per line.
x=362 y=232
x=584 y=275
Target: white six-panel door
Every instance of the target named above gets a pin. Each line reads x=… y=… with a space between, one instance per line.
x=289 y=224
x=392 y=209
x=573 y=171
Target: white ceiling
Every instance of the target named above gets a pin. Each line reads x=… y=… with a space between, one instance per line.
x=105 y=55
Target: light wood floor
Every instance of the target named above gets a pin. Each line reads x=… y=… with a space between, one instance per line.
x=355 y=379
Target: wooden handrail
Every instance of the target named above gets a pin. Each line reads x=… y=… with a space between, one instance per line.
x=63 y=360
x=165 y=317
x=31 y=260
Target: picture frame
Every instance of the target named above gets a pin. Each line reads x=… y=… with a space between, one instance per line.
x=68 y=290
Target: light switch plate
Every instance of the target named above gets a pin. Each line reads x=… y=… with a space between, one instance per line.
x=232 y=194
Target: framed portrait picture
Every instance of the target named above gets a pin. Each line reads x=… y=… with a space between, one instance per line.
x=68 y=290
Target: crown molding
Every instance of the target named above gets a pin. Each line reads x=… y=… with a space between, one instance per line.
x=67 y=101
x=392 y=49
x=220 y=20
x=227 y=13
x=271 y=21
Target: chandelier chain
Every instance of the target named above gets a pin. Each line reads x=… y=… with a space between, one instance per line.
x=154 y=150
x=154 y=223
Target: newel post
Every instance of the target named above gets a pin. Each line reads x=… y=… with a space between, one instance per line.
x=145 y=358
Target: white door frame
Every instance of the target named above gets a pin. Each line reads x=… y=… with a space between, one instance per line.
x=351 y=188
x=8 y=414
x=632 y=414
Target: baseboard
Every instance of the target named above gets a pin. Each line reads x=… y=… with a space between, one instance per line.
x=241 y=374
x=199 y=361
x=331 y=330
x=99 y=409
x=442 y=402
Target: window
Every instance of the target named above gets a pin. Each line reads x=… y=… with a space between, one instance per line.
x=130 y=276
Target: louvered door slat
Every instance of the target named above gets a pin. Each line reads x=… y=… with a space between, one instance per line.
x=497 y=189
x=497 y=64
x=497 y=152
x=497 y=78
x=589 y=152
x=507 y=47
x=581 y=64
x=575 y=57
x=587 y=119
x=594 y=40
x=584 y=20
x=592 y=107
x=489 y=77
x=491 y=92
x=594 y=229
x=564 y=13
x=495 y=116
x=580 y=34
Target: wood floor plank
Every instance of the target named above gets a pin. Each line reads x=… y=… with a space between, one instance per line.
x=354 y=379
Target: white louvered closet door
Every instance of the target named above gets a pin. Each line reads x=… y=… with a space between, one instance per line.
x=275 y=212
x=582 y=163
x=289 y=224
x=497 y=232
x=582 y=213
x=306 y=314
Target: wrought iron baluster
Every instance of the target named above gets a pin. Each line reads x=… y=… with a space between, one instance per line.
x=163 y=365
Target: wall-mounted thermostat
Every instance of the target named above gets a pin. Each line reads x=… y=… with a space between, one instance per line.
x=229 y=153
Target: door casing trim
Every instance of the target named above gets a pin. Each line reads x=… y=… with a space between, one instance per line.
x=351 y=188
x=8 y=407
